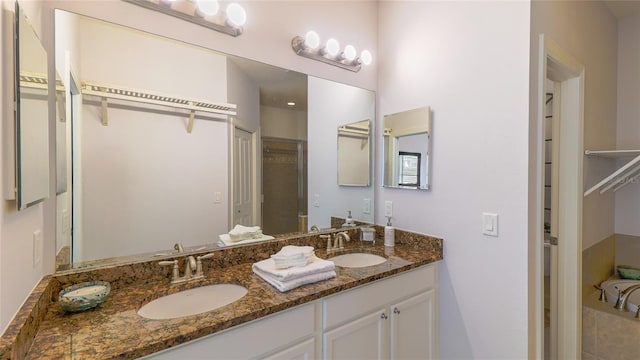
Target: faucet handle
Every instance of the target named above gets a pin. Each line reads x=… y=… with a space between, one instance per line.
x=199 y=274
x=176 y=272
x=328 y=237
x=603 y=295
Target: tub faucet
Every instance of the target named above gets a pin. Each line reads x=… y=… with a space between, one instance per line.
x=623 y=297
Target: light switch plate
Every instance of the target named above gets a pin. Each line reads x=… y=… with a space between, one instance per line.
x=388 y=208
x=217 y=197
x=490 y=224
x=316 y=200
x=366 y=206
x=37 y=247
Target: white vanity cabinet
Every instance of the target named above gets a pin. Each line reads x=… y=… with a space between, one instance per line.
x=285 y=335
x=392 y=319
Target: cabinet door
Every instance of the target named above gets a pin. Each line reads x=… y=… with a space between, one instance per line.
x=301 y=351
x=364 y=338
x=413 y=327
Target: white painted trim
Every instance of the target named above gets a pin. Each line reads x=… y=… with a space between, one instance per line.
x=570 y=211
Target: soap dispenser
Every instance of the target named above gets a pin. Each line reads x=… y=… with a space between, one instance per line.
x=349 y=221
x=389 y=234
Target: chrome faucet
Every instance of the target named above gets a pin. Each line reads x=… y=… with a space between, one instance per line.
x=190 y=265
x=178 y=246
x=623 y=297
x=314 y=229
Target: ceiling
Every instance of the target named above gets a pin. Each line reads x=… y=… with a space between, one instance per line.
x=278 y=86
x=623 y=8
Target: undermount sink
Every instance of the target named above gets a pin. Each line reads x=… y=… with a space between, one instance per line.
x=193 y=301
x=356 y=260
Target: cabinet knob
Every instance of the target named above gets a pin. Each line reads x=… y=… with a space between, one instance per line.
x=396 y=311
x=383 y=316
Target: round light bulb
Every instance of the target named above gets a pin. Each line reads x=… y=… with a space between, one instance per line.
x=350 y=52
x=332 y=47
x=207 y=7
x=236 y=14
x=312 y=40
x=366 y=57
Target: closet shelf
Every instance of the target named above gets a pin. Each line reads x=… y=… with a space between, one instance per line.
x=105 y=92
x=621 y=177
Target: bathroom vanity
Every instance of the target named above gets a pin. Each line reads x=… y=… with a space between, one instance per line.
x=388 y=310
x=392 y=318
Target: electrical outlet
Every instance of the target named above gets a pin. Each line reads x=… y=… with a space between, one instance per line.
x=366 y=206
x=217 y=197
x=37 y=247
x=316 y=200
x=388 y=208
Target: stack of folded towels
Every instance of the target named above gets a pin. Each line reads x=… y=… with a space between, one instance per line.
x=244 y=234
x=294 y=266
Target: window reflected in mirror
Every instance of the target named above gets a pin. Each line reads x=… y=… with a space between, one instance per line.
x=406 y=145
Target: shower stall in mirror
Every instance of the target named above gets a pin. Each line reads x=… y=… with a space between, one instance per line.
x=284 y=185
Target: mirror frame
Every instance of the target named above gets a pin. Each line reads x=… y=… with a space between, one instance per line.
x=31 y=177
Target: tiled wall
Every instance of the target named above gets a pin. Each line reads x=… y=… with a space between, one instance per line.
x=598 y=264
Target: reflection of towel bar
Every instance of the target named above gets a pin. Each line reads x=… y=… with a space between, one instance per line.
x=105 y=113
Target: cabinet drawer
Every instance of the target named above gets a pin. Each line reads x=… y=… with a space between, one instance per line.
x=348 y=305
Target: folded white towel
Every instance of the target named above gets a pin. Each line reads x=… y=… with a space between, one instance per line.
x=225 y=240
x=293 y=251
x=283 y=286
x=240 y=232
x=315 y=265
x=288 y=261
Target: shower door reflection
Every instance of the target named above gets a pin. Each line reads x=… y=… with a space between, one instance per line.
x=284 y=184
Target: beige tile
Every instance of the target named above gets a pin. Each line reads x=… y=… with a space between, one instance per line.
x=627 y=250
x=598 y=264
x=587 y=356
x=617 y=337
x=589 y=332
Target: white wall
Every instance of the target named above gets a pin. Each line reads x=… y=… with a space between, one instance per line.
x=17 y=228
x=147 y=183
x=330 y=105
x=283 y=123
x=469 y=61
x=628 y=127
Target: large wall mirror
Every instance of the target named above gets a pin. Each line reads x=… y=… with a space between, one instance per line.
x=145 y=177
x=406 y=141
x=32 y=115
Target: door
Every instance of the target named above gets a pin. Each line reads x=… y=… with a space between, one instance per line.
x=302 y=351
x=361 y=339
x=412 y=327
x=243 y=165
x=551 y=199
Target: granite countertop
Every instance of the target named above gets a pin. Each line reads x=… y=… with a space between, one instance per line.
x=115 y=330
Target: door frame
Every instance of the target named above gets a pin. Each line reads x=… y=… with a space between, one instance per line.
x=565 y=69
x=255 y=184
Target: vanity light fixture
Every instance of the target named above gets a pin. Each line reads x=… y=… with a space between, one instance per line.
x=330 y=53
x=202 y=12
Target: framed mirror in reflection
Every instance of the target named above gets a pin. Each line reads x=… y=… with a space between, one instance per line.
x=32 y=115
x=152 y=176
x=406 y=149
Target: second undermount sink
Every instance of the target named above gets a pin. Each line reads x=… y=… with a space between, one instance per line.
x=193 y=301
x=356 y=260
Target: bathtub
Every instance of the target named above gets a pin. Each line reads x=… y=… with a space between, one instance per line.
x=612 y=286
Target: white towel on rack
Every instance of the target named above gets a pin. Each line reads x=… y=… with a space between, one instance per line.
x=315 y=266
x=283 y=286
